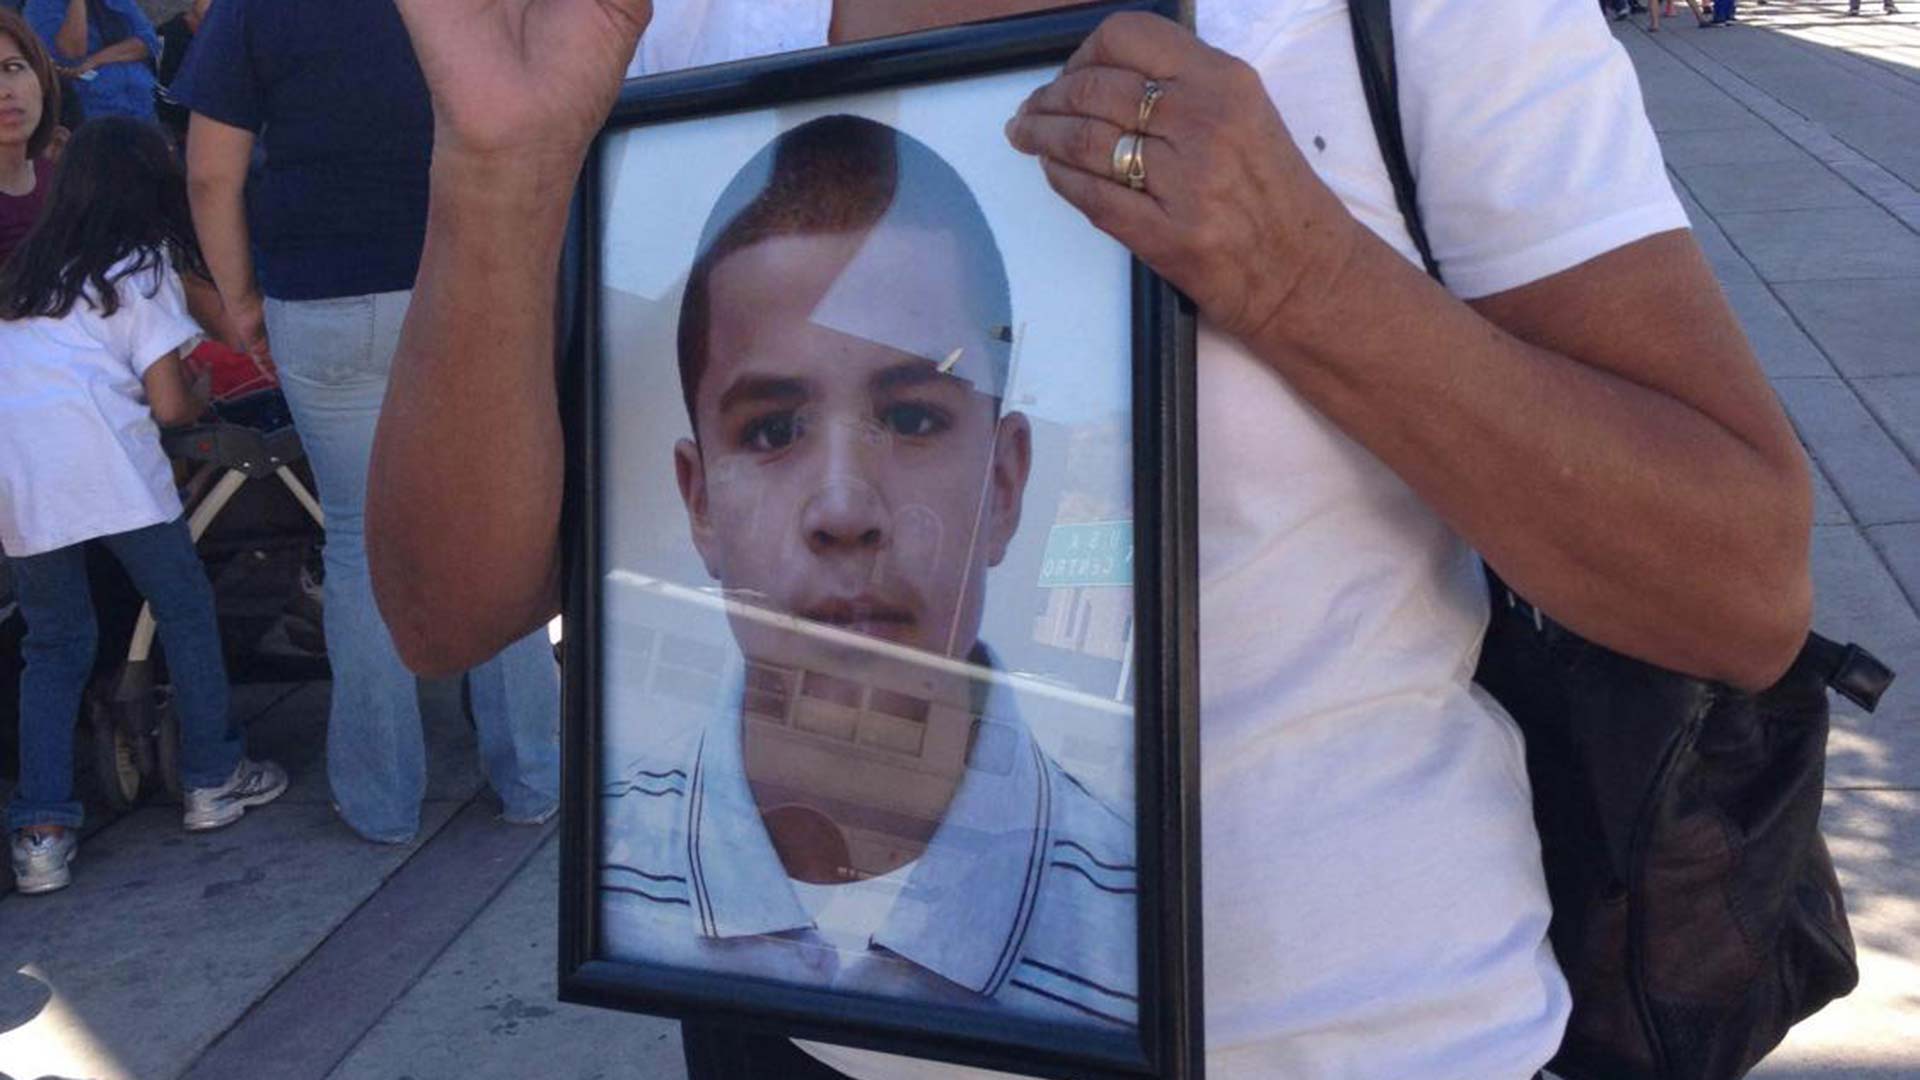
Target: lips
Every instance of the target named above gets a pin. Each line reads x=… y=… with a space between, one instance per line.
x=867 y=615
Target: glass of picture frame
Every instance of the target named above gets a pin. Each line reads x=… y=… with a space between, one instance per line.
x=880 y=663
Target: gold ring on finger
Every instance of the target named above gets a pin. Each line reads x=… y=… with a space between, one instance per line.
x=1148 y=99
x=1129 y=165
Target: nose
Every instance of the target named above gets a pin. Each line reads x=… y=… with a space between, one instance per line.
x=847 y=511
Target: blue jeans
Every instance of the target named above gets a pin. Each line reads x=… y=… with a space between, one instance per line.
x=59 y=651
x=334 y=357
x=1722 y=10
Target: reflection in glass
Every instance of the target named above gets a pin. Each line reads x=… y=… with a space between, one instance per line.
x=845 y=787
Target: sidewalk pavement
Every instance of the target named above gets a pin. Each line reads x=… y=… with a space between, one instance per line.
x=1795 y=142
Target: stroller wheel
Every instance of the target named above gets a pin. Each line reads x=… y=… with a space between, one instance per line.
x=122 y=750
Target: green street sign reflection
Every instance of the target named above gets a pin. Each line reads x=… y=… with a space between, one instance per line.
x=1091 y=554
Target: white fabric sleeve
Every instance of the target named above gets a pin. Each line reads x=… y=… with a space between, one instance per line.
x=146 y=327
x=1528 y=137
x=670 y=38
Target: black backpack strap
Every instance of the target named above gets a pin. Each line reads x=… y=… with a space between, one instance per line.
x=1852 y=672
x=1379 y=77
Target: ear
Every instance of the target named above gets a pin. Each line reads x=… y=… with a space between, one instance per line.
x=1012 y=461
x=690 y=472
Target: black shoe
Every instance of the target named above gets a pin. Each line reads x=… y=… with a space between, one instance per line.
x=1890 y=8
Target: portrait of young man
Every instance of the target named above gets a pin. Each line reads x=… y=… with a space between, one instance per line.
x=862 y=805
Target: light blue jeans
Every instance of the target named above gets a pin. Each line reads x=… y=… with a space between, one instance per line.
x=334 y=357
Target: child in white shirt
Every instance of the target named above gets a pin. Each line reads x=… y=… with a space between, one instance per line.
x=92 y=325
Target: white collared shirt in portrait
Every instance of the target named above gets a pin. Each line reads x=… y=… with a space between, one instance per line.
x=1024 y=898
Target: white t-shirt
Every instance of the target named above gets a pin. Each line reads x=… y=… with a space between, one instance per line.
x=80 y=453
x=1373 y=899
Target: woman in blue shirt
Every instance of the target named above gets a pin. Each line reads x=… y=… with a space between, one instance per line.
x=106 y=46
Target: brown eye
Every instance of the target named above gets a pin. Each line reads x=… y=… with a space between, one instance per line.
x=913 y=420
x=767 y=434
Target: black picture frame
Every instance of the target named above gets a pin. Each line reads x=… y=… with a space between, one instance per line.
x=1167 y=1042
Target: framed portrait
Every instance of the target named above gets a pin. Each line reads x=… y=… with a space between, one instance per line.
x=880 y=659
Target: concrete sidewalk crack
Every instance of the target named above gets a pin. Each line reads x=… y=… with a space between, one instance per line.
x=314 y=1016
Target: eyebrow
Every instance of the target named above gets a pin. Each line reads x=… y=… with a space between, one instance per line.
x=912 y=373
x=756 y=389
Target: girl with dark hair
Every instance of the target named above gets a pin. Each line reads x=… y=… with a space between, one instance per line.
x=29 y=118
x=107 y=46
x=93 y=322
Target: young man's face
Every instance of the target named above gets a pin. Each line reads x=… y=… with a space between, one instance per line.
x=850 y=467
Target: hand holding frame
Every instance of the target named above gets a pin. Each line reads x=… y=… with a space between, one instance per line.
x=1221 y=185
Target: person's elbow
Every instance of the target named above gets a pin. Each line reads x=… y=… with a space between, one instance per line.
x=69 y=42
x=428 y=653
x=1768 y=582
x=208 y=188
x=445 y=614
x=177 y=414
x=432 y=637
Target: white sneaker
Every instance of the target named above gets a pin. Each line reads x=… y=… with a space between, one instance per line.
x=253 y=783
x=40 y=862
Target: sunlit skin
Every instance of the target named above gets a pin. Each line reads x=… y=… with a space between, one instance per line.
x=844 y=480
x=20 y=105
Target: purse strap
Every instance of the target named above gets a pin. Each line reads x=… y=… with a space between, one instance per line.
x=1849 y=670
x=1380 y=80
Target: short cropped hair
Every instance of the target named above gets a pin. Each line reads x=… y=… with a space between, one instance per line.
x=844 y=174
x=15 y=27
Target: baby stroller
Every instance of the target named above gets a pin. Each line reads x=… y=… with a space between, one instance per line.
x=250 y=507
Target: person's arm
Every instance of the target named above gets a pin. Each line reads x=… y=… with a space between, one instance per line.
x=170 y=398
x=63 y=26
x=463 y=500
x=1602 y=436
x=203 y=303
x=141 y=29
x=217 y=159
x=126 y=50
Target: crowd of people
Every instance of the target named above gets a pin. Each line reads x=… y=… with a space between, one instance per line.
x=1719 y=13
x=126 y=240
x=1363 y=432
